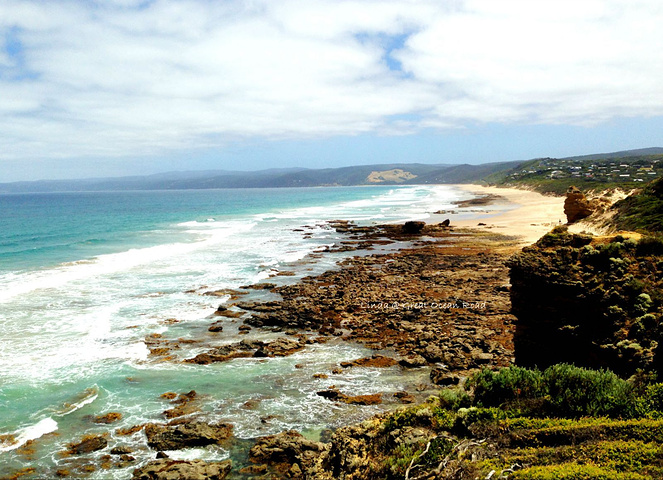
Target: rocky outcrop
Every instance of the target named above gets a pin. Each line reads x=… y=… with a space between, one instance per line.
x=88 y=444
x=167 y=469
x=185 y=435
x=577 y=206
x=413 y=227
x=592 y=302
x=289 y=454
x=337 y=396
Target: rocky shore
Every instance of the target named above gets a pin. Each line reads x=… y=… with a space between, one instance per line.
x=439 y=304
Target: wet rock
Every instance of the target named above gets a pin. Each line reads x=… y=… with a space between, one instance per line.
x=413 y=227
x=167 y=469
x=89 y=443
x=281 y=347
x=216 y=327
x=108 y=418
x=191 y=434
x=376 y=361
x=121 y=450
x=337 y=396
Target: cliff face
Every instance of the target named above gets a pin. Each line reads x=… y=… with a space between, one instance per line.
x=594 y=302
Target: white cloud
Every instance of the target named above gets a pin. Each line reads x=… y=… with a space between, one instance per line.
x=131 y=77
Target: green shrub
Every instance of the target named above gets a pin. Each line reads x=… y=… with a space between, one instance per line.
x=577 y=392
x=454 y=398
x=493 y=389
x=650 y=245
x=574 y=471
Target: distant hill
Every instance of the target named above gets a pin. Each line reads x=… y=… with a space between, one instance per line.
x=543 y=174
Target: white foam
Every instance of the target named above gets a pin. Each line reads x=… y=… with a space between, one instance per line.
x=86 y=397
x=31 y=432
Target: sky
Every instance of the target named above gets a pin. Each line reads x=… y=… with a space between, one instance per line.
x=122 y=87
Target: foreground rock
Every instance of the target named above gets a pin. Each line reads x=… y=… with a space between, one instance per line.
x=289 y=455
x=167 y=469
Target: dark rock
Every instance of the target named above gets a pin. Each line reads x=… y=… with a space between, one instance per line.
x=167 y=469
x=336 y=396
x=191 y=434
x=376 y=361
x=443 y=378
x=90 y=443
x=413 y=227
x=216 y=327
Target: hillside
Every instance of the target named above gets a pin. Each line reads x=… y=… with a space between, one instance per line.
x=627 y=169
x=642 y=211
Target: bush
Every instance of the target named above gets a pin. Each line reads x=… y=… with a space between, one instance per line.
x=577 y=392
x=493 y=389
x=650 y=245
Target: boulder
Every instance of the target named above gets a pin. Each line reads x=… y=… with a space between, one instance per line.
x=191 y=434
x=288 y=453
x=280 y=347
x=413 y=227
x=88 y=444
x=167 y=469
x=576 y=205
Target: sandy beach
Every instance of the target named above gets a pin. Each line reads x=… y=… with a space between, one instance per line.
x=533 y=216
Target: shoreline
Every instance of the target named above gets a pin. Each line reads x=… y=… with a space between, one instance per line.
x=523 y=213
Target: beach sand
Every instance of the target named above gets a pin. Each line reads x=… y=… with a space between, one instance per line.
x=533 y=214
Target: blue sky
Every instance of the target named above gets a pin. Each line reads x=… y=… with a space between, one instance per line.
x=123 y=87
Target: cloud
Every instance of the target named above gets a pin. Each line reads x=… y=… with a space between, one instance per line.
x=132 y=77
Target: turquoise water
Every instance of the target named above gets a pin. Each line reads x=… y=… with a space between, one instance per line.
x=85 y=277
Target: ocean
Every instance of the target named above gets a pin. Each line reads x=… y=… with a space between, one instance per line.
x=85 y=278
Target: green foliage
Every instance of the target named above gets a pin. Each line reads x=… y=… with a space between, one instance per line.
x=564 y=390
x=492 y=389
x=454 y=398
x=650 y=245
x=573 y=471
x=643 y=211
x=575 y=392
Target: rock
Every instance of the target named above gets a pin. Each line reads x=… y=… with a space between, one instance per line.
x=336 y=396
x=413 y=361
x=167 y=469
x=122 y=450
x=376 y=361
x=288 y=453
x=191 y=434
x=280 y=347
x=576 y=205
x=108 y=418
x=216 y=327
x=413 y=227
x=442 y=377
x=89 y=443
x=445 y=223
x=404 y=397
